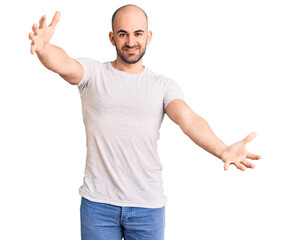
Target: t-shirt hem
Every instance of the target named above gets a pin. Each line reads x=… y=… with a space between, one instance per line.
x=124 y=204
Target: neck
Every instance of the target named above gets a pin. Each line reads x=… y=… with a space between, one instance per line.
x=135 y=68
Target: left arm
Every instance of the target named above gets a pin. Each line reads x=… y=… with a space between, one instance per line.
x=199 y=131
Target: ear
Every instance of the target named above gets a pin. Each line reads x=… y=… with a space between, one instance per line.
x=149 y=37
x=111 y=36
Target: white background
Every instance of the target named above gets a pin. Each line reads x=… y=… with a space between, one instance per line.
x=231 y=58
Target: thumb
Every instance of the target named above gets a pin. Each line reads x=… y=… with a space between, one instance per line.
x=226 y=165
x=250 y=137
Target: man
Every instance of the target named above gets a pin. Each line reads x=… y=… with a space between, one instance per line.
x=123 y=106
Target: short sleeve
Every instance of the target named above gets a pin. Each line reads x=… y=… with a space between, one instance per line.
x=173 y=91
x=90 y=66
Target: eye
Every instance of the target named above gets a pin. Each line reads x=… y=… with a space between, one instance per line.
x=122 y=35
x=138 y=34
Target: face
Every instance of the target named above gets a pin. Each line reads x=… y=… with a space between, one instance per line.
x=130 y=36
x=132 y=50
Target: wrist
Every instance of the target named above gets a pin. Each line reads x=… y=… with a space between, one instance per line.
x=221 y=151
x=44 y=48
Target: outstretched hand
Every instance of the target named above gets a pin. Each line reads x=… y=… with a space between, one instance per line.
x=41 y=35
x=237 y=154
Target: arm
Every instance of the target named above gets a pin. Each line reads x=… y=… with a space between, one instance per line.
x=195 y=127
x=199 y=131
x=52 y=57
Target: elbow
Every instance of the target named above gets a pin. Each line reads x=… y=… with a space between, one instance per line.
x=186 y=124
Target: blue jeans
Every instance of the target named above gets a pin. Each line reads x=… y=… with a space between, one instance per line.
x=101 y=221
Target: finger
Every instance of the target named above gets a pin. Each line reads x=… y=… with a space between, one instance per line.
x=31 y=36
x=35 y=29
x=42 y=22
x=250 y=137
x=248 y=164
x=253 y=156
x=55 y=19
x=240 y=166
x=32 y=49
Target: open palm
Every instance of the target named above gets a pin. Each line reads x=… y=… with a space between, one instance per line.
x=237 y=154
x=41 y=35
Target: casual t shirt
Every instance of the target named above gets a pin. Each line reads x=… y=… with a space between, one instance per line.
x=122 y=113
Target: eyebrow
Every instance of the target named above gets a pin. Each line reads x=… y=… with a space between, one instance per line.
x=123 y=31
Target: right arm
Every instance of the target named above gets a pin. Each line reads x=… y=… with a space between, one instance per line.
x=52 y=57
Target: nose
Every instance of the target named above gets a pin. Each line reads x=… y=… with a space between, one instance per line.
x=130 y=41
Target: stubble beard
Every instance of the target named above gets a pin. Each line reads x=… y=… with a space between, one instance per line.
x=125 y=59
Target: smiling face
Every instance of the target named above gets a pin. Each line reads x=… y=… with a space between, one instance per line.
x=130 y=51
x=130 y=35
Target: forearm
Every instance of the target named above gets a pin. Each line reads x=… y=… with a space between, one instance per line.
x=199 y=131
x=55 y=59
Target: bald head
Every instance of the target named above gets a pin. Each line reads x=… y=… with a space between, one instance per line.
x=129 y=10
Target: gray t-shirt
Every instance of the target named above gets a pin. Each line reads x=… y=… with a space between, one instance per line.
x=122 y=113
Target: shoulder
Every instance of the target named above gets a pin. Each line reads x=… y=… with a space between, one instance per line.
x=87 y=59
x=90 y=68
x=158 y=77
x=87 y=62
